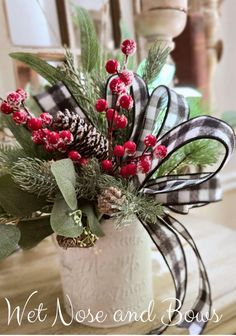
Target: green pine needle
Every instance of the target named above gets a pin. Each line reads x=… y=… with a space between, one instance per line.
x=156 y=59
x=197 y=153
x=35 y=177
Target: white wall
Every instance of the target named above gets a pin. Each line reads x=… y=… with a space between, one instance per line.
x=225 y=78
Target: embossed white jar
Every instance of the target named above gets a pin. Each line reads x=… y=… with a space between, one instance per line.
x=115 y=274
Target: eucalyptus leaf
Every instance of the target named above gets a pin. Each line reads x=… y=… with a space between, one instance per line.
x=62 y=221
x=64 y=173
x=9 y=238
x=90 y=50
x=92 y=219
x=17 y=202
x=33 y=231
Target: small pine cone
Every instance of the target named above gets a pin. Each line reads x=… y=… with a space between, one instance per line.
x=110 y=201
x=87 y=140
x=86 y=239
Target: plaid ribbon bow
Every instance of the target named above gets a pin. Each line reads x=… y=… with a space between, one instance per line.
x=176 y=192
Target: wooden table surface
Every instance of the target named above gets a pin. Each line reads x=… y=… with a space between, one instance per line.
x=37 y=270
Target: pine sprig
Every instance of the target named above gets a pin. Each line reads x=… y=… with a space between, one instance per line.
x=87 y=180
x=35 y=177
x=90 y=86
x=137 y=204
x=197 y=153
x=157 y=56
x=9 y=155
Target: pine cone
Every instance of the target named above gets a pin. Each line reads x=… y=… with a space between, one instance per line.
x=87 y=140
x=110 y=201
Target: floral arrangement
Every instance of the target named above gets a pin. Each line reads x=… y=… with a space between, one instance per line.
x=106 y=148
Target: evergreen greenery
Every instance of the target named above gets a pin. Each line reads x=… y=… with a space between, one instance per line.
x=197 y=153
x=157 y=56
x=35 y=177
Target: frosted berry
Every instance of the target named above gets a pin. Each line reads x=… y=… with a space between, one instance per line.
x=160 y=152
x=121 y=121
x=127 y=77
x=131 y=169
x=46 y=118
x=117 y=86
x=20 y=117
x=144 y=165
x=106 y=165
x=61 y=147
x=53 y=138
x=38 y=137
x=49 y=148
x=123 y=171
x=74 y=155
x=130 y=147
x=126 y=101
x=128 y=47
x=22 y=93
x=119 y=151
x=111 y=114
x=14 y=99
x=150 y=140
x=6 y=108
x=112 y=66
x=101 y=105
x=66 y=137
x=83 y=161
x=34 y=124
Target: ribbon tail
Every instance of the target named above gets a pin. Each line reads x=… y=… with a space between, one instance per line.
x=171 y=249
x=201 y=310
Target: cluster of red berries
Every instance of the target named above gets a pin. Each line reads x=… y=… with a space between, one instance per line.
x=50 y=139
x=135 y=165
x=118 y=86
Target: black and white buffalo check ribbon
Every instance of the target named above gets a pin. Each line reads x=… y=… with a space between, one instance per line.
x=166 y=115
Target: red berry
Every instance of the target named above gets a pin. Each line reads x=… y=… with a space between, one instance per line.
x=128 y=47
x=66 y=137
x=49 y=148
x=34 y=124
x=123 y=171
x=144 y=164
x=121 y=121
x=126 y=101
x=20 y=117
x=14 y=99
x=130 y=147
x=150 y=140
x=38 y=137
x=22 y=93
x=112 y=66
x=46 y=118
x=111 y=114
x=119 y=150
x=101 y=105
x=160 y=152
x=53 y=138
x=131 y=169
x=127 y=77
x=6 y=108
x=61 y=147
x=83 y=161
x=117 y=86
x=74 y=155
x=106 y=165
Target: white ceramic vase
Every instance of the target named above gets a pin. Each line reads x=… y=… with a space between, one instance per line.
x=113 y=277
